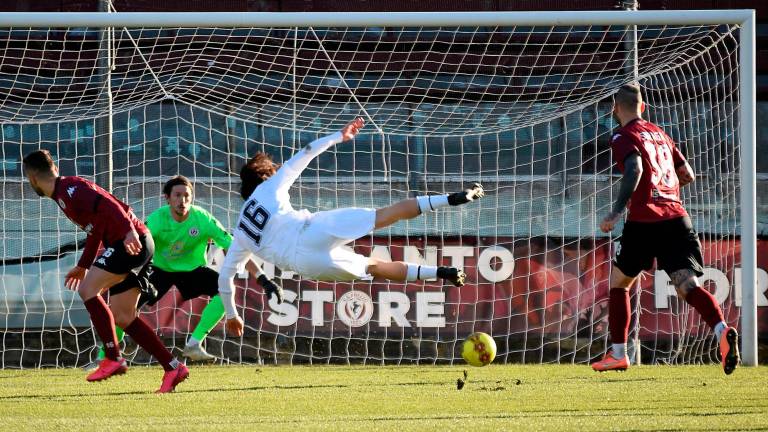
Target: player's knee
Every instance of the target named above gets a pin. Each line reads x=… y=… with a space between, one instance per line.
x=684 y=281
x=382 y=218
x=87 y=292
x=124 y=317
x=373 y=267
x=685 y=287
x=619 y=280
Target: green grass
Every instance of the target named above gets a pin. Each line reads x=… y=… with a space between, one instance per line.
x=401 y=398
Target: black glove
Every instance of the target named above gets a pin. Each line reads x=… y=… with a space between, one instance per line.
x=148 y=292
x=270 y=288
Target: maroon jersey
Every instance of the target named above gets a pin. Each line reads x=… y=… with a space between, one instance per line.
x=97 y=212
x=657 y=197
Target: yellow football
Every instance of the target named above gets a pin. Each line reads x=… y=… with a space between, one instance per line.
x=479 y=349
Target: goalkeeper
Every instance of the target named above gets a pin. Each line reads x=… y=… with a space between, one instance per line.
x=182 y=232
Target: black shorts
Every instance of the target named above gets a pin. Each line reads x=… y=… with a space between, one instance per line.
x=673 y=243
x=115 y=259
x=191 y=284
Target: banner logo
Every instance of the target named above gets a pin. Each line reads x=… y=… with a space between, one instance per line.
x=355 y=308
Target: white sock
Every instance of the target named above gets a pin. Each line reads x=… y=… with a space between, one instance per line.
x=192 y=341
x=174 y=363
x=619 y=351
x=420 y=272
x=719 y=329
x=429 y=203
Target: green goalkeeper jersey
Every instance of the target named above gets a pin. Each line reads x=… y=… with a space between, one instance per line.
x=181 y=246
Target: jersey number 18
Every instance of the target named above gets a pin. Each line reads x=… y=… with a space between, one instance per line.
x=663 y=167
x=257 y=217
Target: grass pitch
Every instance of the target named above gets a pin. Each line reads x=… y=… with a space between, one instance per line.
x=401 y=398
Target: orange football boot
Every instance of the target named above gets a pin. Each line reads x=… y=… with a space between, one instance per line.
x=610 y=363
x=729 y=350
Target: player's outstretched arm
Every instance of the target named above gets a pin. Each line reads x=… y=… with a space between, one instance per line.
x=292 y=169
x=633 y=170
x=234 y=324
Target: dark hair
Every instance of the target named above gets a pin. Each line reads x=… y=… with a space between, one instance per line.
x=254 y=172
x=176 y=181
x=39 y=161
x=628 y=96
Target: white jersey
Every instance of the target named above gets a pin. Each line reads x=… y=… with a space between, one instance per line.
x=270 y=228
x=269 y=220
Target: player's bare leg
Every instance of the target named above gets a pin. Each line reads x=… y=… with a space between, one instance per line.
x=618 y=323
x=689 y=288
x=406 y=209
x=409 y=209
x=402 y=271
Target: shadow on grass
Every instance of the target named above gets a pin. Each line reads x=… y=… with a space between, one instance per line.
x=60 y=397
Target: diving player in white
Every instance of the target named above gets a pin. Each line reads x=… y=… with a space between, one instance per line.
x=311 y=244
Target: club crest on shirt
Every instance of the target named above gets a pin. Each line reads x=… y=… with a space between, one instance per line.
x=194 y=232
x=62 y=205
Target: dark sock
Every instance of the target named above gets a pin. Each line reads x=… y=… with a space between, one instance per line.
x=147 y=339
x=619 y=312
x=444 y=272
x=104 y=323
x=706 y=305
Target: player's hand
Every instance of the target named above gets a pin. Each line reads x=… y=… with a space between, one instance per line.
x=685 y=174
x=74 y=277
x=271 y=288
x=352 y=128
x=132 y=243
x=609 y=222
x=234 y=326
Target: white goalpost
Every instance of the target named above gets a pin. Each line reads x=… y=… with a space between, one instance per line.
x=519 y=101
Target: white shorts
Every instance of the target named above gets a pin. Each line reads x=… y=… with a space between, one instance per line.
x=320 y=252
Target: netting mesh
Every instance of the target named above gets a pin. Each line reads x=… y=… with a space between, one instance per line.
x=524 y=110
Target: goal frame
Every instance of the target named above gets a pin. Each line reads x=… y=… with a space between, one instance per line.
x=747 y=48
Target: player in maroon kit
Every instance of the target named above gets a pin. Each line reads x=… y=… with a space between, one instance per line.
x=121 y=267
x=657 y=227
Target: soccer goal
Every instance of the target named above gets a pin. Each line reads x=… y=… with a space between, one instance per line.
x=518 y=101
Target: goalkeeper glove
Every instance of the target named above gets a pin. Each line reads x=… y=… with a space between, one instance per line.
x=271 y=288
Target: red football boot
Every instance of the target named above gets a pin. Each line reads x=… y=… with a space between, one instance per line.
x=610 y=363
x=108 y=368
x=172 y=378
x=729 y=350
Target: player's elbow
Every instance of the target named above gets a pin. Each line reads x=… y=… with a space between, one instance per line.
x=684 y=181
x=633 y=166
x=685 y=175
x=634 y=170
x=226 y=280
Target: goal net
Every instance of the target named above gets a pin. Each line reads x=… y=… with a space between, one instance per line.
x=525 y=110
